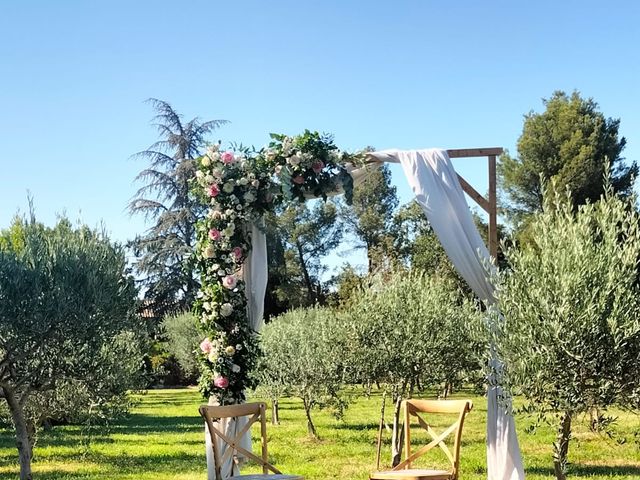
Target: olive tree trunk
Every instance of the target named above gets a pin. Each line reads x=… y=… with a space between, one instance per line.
x=23 y=438
x=311 y=429
x=561 y=447
x=275 y=412
x=397 y=435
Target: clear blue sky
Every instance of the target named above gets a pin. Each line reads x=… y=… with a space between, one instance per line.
x=397 y=74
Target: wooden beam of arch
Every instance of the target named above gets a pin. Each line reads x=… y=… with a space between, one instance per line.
x=489 y=205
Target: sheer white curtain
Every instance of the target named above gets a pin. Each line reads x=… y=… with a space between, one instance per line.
x=435 y=184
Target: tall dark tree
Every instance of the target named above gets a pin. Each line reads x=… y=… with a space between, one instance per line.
x=417 y=244
x=306 y=234
x=163 y=252
x=569 y=146
x=370 y=218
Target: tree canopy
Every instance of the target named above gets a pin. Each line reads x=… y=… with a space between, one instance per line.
x=370 y=217
x=569 y=145
x=67 y=323
x=570 y=338
x=307 y=233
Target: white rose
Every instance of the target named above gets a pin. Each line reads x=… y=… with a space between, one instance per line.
x=235 y=368
x=228 y=187
x=199 y=174
x=209 y=252
x=213 y=356
x=243 y=181
x=215 y=156
x=294 y=160
x=222 y=273
x=226 y=309
x=206 y=161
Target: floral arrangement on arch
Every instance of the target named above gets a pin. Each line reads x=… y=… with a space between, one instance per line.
x=240 y=185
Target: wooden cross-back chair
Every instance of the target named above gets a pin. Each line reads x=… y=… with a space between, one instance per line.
x=413 y=408
x=255 y=412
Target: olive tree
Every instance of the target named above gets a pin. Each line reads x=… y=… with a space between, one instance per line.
x=181 y=340
x=304 y=353
x=67 y=322
x=570 y=338
x=408 y=330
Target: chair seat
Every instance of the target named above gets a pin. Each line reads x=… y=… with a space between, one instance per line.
x=262 y=476
x=412 y=474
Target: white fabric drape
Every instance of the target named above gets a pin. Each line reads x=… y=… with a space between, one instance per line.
x=435 y=184
x=255 y=277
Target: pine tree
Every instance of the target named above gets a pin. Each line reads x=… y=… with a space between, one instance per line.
x=163 y=251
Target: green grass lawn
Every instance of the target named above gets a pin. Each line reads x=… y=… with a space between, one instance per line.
x=163 y=439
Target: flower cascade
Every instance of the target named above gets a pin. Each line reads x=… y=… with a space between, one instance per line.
x=239 y=186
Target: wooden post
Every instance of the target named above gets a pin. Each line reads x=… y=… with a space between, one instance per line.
x=489 y=205
x=493 y=209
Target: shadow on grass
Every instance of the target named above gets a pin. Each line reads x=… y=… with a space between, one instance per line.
x=147 y=424
x=134 y=425
x=359 y=427
x=121 y=463
x=580 y=471
x=52 y=475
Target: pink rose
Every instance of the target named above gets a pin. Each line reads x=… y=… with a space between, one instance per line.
x=206 y=346
x=214 y=234
x=317 y=166
x=298 y=179
x=229 y=282
x=237 y=253
x=227 y=158
x=214 y=191
x=221 y=382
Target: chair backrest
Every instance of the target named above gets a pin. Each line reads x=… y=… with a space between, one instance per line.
x=413 y=408
x=255 y=412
